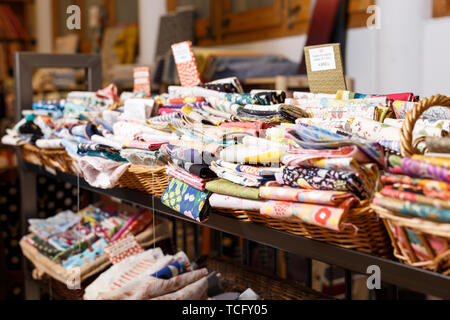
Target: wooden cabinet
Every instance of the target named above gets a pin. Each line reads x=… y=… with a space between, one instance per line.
x=238 y=21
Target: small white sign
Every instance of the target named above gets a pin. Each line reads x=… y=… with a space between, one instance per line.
x=182 y=53
x=322 y=59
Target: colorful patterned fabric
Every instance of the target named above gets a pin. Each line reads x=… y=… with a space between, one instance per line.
x=322 y=216
x=426 y=184
x=413 y=209
x=228 y=188
x=246 y=98
x=172 y=270
x=402 y=108
x=220 y=201
x=322 y=179
x=331 y=198
x=186 y=200
x=188 y=178
x=413 y=197
x=309 y=137
x=417 y=169
x=60 y=223
x=228 y=171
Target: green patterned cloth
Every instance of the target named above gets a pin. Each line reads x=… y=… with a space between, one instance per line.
x=231 y=189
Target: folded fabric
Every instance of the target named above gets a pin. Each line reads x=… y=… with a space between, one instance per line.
x=223 y=105
x=436 y=161
x=186 y=200
x=142 y=145
x=413 y=209
x=439 y=124
x=228 y=171
x=309 y=137
x=102 y=173
x=199 y=170
x=420 y=128
x=341 y=113
x=166 y=118
x=275 y=96
x=107 y=141
x=89 y=255
x=313 y=96
x=85 y=131
x=49 y=144
x=402 y=108
x=251 y=155
x=57 y=224
x=71 y=237
x=345 y=95
x=246 y=98
x=42 y=246
x=186 y=100
x=422 y=183
x=99 y=150
x=322 y=216
x=297 y=157
x=433 y=194
x=130 y=278
x=322 y=179
x=219 y=201
x=194 y=291
x=335 y=103
x=168 y=112
x=331 y=198
x=31 y=129
x=223 y=87
x=417 y=169
x=188 y=154
x=13 y=139
x=228 y=188
x=172 y=270
x=144 y=157
x=179 y=92
x=438 y=145
x=186 y=177
x=416 y=198
x=195 y=105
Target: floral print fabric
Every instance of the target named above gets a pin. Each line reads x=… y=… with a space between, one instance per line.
x=331 y=198
x=186 y=200
x=323 y=216
x=322 y=179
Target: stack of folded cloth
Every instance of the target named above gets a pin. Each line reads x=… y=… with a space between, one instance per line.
x=152 y=275
x=317 y=179
x=73 y=240
x=419 y=188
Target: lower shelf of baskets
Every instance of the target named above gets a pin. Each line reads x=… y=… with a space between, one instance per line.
x=365 y=232
x=237 y=278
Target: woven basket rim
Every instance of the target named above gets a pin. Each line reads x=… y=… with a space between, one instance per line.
x=440 y=229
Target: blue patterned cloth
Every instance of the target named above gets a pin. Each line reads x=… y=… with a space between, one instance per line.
x=186 y=200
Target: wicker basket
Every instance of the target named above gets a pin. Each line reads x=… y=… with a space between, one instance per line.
x=363 y=230
x=151 y=180
x=57 y=159
x=45 y=268
x=425 y=231
x=239 y=278
x=62 y=292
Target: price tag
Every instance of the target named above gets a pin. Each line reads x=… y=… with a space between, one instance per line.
x=142 y=80
x=325 y=68
x=186 y=64
x=322 y=59
x=122 y=249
